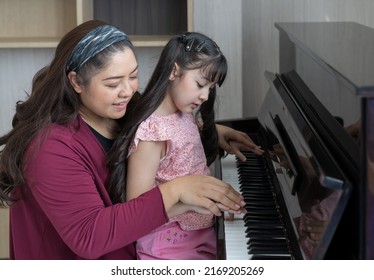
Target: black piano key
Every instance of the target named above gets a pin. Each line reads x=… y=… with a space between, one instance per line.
x=260 y=203
x=254 y=196
x=254 y=217
x=270 y=240
x=262 y=179
x=270 y=234
x=264 y=210
x=263 y=226
x=271 y=225
x=261 y=211
x=257 y=189
x=266 y=233
x=250 y=194
x=252 y=174
x=253 y=230
x=258 y=186
x=271 y=257
x=268 y=246
x=258 y=200
x=260 y=250
x=259 y=215
x=266 y=223
x=262 y=214
x=275 y=232
x=247 y=170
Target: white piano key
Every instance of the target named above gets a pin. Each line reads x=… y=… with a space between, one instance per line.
x=235 y=238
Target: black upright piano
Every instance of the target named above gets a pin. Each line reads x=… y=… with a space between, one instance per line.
x=311 y=196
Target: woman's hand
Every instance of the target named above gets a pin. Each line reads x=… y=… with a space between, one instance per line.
x=201 y=191
x=354 y=131
x=234 y=141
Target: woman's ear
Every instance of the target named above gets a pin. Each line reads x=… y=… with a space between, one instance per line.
x=175 y=72
x=73 y=81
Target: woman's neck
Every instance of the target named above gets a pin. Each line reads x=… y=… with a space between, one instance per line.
x=106 y=127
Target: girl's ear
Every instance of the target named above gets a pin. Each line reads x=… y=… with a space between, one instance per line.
x=73 y=81
x=175 y=72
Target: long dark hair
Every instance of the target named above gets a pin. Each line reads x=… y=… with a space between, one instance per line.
x=52 y=100
x=191 y=50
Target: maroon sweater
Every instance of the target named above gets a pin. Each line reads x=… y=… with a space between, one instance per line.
x=65 y=211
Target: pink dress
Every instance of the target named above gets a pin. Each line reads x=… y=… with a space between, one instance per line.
x=190 y=235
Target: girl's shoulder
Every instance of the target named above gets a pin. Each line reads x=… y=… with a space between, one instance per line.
x=154 y=128
x=166 y=123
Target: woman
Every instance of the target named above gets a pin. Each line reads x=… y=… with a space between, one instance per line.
x=53 y=167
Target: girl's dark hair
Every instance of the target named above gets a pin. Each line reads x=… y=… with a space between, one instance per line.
x=191 y=50
x=52 y=100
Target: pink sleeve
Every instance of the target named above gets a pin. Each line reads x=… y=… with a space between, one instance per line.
x=149 y=130
x=66 y=187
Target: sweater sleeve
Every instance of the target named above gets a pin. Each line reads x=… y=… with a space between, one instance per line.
x=64 y=183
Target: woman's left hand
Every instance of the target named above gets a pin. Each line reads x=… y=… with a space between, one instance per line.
x=234 y=141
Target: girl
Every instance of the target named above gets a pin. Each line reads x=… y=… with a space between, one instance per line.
x=171 y=133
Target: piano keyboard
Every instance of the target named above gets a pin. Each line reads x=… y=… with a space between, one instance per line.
x=259 y=234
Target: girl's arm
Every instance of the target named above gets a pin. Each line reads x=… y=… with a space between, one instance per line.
x=141 y=173
x=142 y=167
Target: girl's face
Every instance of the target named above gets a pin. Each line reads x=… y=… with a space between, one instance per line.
x=109 y=91
x=187 y=91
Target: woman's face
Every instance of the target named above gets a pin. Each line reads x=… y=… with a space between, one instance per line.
x=109 y=91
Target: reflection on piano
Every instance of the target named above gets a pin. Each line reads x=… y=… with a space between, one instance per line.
x=311 y=195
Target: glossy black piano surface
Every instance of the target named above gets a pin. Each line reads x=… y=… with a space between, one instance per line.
x=314 y=174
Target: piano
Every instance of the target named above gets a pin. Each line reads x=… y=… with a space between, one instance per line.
x=311 y=195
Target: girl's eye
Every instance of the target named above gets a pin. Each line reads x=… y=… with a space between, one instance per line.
x=199 y=85
x=134 y=77
x=112 y=85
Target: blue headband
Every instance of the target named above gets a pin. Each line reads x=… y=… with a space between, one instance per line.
x=92 y=43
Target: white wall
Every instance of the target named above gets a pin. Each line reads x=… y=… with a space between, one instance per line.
x=222 y=21
x=17 y=68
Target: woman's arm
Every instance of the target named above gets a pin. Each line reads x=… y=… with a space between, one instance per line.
x=234 y=141
x=68 y=184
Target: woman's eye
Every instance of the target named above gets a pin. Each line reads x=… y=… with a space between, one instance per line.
x=199 y=85
x=112 y=86
x=134 y=77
